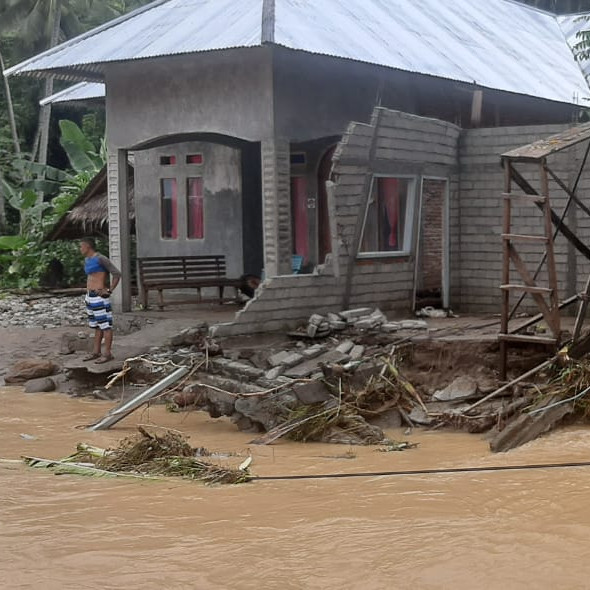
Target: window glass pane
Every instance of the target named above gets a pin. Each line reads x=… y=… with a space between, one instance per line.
x=169 y=205
x=167 y=160
x=194 y=206
x=385 y=226
x=194 y=159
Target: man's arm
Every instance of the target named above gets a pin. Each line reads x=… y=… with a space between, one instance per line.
x=112 y=270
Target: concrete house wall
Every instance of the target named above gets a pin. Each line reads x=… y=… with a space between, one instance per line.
x=222 y=202
x=393 y=144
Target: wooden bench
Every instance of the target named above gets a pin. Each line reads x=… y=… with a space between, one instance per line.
x=178 y=272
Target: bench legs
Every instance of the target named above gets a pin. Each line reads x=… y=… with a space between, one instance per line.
x=161 y=298
x=145 y=296
x=221 y=295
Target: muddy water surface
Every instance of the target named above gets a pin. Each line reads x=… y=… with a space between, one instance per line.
x=525 y=529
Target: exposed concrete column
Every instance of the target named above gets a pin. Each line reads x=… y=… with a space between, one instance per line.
x=276 y=208
x=118 y=215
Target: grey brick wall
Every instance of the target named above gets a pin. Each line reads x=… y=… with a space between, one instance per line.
x=480 y=216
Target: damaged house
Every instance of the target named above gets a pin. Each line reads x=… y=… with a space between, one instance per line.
x=347 y=153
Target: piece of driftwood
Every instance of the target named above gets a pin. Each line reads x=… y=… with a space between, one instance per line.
x=508 y=385
x=528 y=427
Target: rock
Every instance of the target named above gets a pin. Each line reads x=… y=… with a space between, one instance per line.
x=462 y=388
x=367 y=323
x=29 y=369
x=41 y=385
x=356 y=353
x=268 y=412
x=314 y=351
x=351 y=315
x=78 y=342
x=413 y=325
x=389 y=420
x=316 y=320
x=292 y=360
x=312 y=330
x=274 y=373
x=243 y=423
x=345 y=347
x=278 y=359
x=391 y=327
x=314 y=392
x=310 y=367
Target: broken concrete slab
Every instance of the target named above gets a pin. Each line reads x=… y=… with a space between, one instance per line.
x=311 y=393
x=276 y=360
x=72 y=342
x=274 y=373
x=314 y=351
x=462 y=388
x=391 y=327
x=357 y=352
x=345 y=347
x=237 y=369
x=309 y=367
x=413 y=325
x=351 y=315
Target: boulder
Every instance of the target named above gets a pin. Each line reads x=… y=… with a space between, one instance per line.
x=29 y=369
x=41 y=385
x=460 y=389
x=75 y=342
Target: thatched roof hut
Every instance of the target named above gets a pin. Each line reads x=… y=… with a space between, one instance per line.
x=88 y=215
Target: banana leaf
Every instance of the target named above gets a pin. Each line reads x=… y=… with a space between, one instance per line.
x=65 y=468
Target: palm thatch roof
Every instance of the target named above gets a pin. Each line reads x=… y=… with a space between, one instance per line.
x=88 y=215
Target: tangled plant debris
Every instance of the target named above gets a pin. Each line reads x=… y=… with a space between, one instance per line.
x=146 y=455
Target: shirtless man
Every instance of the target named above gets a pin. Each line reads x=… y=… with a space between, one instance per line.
x=98 y=304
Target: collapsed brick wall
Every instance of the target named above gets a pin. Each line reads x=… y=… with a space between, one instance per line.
x=394 y=143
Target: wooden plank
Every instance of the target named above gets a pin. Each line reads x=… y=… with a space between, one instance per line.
x=524 y=197
x=537 y=318
x=524 y=238
x=527 y=288
x=528 y=280
x=506 y=227
x=523 y=338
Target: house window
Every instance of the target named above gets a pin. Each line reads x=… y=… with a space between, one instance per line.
x=194 y=206
x=168 y=207
x=194 y=159
x=167 y=160
x=388 y=217
x=298 y=159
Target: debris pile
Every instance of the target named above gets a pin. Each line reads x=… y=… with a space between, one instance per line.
x=41 y=311
x=146 y=455
x=358 y=320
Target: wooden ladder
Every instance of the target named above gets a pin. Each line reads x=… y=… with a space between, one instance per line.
x=546 y=298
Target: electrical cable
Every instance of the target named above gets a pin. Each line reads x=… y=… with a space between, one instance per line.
x=453 y=470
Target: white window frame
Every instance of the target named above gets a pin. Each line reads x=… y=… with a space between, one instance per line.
x=408 y=221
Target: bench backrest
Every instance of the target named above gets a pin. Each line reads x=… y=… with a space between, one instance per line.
x=181 y=268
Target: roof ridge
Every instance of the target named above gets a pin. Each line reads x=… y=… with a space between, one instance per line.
x=88 y=34
x=268 y=21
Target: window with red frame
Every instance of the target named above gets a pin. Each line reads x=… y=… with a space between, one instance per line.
x=169 y=208
x=195 y=208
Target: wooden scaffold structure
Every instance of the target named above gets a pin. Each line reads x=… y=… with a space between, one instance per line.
x=544 y=291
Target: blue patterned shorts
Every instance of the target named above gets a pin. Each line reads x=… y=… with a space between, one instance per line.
x=98 y=310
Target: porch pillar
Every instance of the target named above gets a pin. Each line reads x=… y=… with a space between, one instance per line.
x=276 y=206
x=118 y=216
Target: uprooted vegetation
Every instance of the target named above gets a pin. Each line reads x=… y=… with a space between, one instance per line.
x=146 y=455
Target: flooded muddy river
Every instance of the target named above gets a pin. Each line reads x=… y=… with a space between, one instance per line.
x=523 y=529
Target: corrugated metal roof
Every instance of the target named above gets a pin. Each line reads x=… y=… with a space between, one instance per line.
x=497 y=44
x=78 y=92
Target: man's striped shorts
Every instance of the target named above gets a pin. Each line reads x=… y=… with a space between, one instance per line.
x=98 y=310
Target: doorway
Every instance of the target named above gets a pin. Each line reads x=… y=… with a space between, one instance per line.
x=432 y=259
x=323 y=223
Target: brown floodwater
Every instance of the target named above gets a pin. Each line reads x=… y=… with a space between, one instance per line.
x=523 y=529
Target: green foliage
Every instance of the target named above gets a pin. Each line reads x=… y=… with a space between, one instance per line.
x=81 y=153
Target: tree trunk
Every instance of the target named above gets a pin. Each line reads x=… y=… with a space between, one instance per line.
x=11 y=117
x=45 y=114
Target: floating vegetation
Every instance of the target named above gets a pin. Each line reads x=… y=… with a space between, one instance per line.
x=146 y=455
x=395 y=446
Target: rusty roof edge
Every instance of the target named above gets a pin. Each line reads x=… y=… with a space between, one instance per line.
x=16 y=69
x=550 y=145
